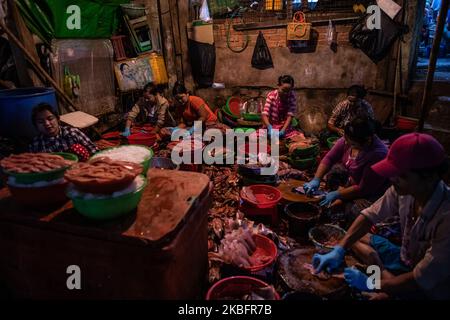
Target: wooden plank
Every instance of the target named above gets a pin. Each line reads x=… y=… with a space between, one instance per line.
x=183 y=19
x=272 y=25
x=177 y=39
x=15 y=23
x=168 y=41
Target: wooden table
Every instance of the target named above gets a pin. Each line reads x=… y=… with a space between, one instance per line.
x=159 y=251
x=288 y=195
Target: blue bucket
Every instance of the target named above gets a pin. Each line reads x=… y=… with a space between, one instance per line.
x=15 y=110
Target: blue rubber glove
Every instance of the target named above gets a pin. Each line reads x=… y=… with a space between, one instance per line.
x=184 y=135
x=331 y=260
x=282 y=133
x=191 y=131
x=269 y=130
x=311 y=186
x=330 y=198
x=126 y=132
x=356 y=279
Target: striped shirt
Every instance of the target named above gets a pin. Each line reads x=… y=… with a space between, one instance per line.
x=278 y=109
x=344 y=113
x=62 y=142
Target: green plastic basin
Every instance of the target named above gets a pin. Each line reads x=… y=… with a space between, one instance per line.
x=30 y=178
x=110 y=208
x=145 y=164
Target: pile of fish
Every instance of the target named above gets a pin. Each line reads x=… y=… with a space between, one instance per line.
x=225 y=191
x=300 y=142
x=237 y=248
x=285 y=172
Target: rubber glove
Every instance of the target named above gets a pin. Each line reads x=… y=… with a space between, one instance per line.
x=331 y=260
x=191 y=130
x=330 y=198
x=311 y=186
x=126 y=132
x=356 y=279
x=269 y=130
x=282 y=133
x=185 y=134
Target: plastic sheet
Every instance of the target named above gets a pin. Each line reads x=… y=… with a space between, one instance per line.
x=92 y=61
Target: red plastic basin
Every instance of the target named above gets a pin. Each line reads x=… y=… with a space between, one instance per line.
x=145 y=139
x=235 y=287
x=234 y=106
x=261 y=196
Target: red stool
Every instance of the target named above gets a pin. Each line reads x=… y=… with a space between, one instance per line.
x=119 y=51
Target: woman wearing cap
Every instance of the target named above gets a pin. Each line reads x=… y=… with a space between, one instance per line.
x=420 y=267
x=280 y=108
x=345 y=111
x=353 y=154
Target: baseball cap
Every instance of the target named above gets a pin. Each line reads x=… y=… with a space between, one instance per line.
x=411 y=151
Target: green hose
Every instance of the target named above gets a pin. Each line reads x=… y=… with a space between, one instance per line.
x=247 y=40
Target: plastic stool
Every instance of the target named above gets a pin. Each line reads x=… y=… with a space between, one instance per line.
x=79 y=119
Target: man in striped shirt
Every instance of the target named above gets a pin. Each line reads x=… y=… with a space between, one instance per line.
x=350 y=108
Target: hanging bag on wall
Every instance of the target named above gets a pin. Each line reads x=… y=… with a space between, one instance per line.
x=298 y=29
x=261 y=58
x=376 y=43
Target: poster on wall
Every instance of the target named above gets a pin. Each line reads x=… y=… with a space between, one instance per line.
x=132 y=74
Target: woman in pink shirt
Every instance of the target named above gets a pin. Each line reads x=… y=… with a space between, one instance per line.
x=280 y=108
x=353 y=155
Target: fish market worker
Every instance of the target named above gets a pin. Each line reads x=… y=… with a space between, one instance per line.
x=54 y=137
x=192 y=108
x=415 y=164
x=151 y=108
x=350 y=160
x=353 y=106
x=280 y=108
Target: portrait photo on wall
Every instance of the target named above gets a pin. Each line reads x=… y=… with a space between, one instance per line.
x=133 y=73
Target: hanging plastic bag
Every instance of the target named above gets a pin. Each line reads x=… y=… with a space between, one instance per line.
x=204 y=12
x=330 y=32
x=261 y=58
x=331 y=36
x=376 y=43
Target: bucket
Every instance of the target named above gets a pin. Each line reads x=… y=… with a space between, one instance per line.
x=235 y=288
x=301 y=217
x=15 y=110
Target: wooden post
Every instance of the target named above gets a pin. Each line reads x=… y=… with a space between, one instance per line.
x=168 y=40
x=432 y=65
x=15 y=23
x=183 y=19
x=176 y=39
